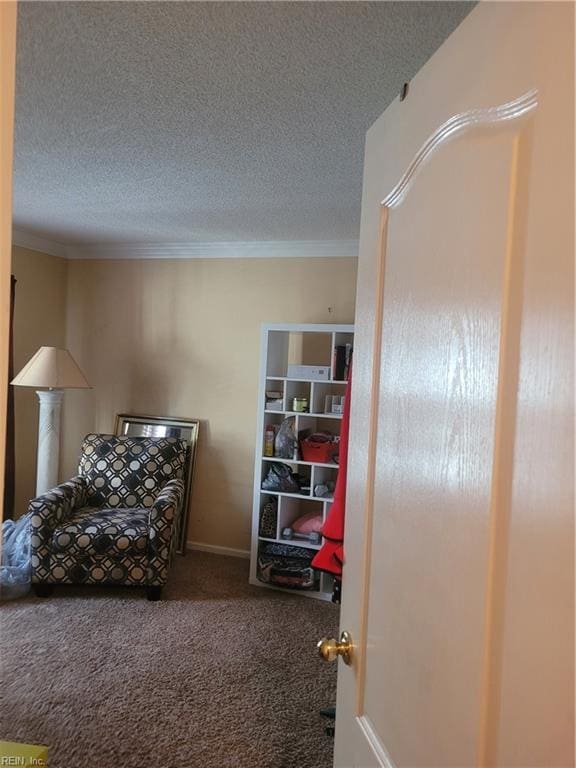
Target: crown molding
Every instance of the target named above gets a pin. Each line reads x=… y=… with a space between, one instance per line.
x=33 y=243
x=274 y=249
x=258 y=249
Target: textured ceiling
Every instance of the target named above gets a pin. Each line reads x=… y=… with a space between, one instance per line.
x=206 y=121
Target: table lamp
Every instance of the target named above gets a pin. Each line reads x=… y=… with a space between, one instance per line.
x=57 y=370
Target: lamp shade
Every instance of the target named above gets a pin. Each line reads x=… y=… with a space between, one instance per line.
x=51 y=367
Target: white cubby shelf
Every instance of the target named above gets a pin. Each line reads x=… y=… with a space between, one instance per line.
x=300 y=344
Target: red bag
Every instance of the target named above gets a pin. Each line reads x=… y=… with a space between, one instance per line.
x=319 y=447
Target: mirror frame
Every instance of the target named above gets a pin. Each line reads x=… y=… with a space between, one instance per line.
x=140 y=425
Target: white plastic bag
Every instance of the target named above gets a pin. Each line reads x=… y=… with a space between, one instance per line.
x=15 y=575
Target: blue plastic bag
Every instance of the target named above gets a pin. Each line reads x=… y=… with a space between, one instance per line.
x=15 y=571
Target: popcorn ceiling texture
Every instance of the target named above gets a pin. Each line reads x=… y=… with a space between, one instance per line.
x=206 y=121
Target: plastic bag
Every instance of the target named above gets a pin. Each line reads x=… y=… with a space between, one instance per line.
x=15 y=571
x=286 y=442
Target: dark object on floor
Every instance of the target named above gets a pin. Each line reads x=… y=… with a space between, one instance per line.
x=330 y=713
x=109 y=680
x=337 y=591
x=43 y=590
x=117 y=521
x=153 y=593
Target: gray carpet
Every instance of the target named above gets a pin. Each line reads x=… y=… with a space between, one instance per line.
x=218 y=674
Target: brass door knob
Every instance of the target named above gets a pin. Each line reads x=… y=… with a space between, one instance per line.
x=329 y=648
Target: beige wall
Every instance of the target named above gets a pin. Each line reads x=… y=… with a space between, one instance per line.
x=39 y=319
x=181 y=338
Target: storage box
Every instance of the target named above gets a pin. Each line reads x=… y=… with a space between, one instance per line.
x=319 y=448
x=12 y=753
x=314 y=372
x=284 y=565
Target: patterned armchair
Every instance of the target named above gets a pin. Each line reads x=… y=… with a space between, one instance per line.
x=117 y=521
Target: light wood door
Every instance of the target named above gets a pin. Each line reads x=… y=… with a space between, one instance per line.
x=7 y=78
x=458 y=582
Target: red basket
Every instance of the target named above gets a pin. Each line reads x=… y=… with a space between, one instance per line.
x=319 y=447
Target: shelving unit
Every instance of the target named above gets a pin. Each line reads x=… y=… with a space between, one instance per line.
x=282 y=345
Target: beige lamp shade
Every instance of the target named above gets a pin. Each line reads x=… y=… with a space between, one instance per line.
x=51 y=367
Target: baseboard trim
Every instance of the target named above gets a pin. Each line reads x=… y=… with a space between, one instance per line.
x=215 y=549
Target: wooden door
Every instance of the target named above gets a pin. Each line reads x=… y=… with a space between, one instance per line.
x=458 y=582
x=7 y=77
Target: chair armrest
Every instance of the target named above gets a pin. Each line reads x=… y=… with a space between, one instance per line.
x=162 y=522
x=48 y=511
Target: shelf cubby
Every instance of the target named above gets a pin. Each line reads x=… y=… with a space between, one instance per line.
x=322 y=390
x=296 y=388
x=322 y=475
x=291 y=509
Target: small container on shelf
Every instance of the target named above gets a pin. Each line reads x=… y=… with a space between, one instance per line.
x=334 y=404
x=274 y=400
x=300 y=404
x=269 y=437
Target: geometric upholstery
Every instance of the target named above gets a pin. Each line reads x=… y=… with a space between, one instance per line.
x=128 y=471
x=116 y=522
x=93 y=531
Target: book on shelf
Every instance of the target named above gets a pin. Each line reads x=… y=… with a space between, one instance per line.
x=342 y=361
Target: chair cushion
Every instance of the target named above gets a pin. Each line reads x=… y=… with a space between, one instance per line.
x=125 y=471
x=95 y=532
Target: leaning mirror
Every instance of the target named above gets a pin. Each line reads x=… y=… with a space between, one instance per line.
x=164 y=426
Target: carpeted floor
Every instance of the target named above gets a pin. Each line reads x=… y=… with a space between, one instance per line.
x=218 y=674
